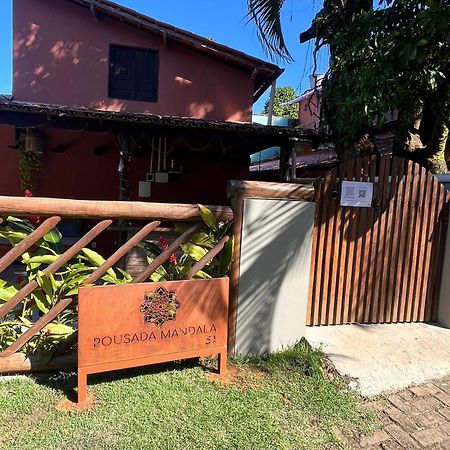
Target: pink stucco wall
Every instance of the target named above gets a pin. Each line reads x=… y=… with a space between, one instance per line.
x=61 y=57
x=309 y=113
x=78 y=173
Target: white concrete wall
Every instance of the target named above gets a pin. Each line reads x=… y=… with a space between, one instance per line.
x=444 y=297
x=274 y=274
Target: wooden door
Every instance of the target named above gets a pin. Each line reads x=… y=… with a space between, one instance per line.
x=380 y=264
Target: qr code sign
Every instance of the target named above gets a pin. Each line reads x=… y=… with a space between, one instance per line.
x=362 y=193
x=350 y=191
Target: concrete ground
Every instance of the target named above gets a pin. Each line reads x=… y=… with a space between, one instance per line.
x=384 y=358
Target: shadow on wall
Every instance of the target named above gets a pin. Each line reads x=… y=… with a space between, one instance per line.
x=275 y=264
x=68 y=65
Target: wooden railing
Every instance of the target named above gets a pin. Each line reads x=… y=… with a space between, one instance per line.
x=56 y=209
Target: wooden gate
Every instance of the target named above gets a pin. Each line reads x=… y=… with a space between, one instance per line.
x=379 y=264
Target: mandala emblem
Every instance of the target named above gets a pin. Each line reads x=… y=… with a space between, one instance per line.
x=160 y=306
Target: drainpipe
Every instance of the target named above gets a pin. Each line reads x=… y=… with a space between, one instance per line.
x=271 y=100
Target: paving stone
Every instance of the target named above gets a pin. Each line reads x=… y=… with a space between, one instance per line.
x=401 y=419
x=444 y=385
x=445 y=428
x=424 y=404
x=402 y=437
x=443 y=397
x=429 y=436
x=402 y=404
x=377 y=438
x=391 y=445
x=406 y=395
x=425 y=389
x=445 y=412
x=442 y=446
x=429 y=419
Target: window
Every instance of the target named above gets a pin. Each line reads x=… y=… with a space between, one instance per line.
x=133 y=74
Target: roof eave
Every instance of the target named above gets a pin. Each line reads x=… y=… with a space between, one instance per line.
x=266 y=71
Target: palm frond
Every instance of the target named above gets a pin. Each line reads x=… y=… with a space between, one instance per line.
x=267 y=16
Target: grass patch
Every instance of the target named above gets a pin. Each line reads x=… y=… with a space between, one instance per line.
x=281 y=401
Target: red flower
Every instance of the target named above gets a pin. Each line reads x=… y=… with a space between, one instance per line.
x=165 y=245
x=35 y=220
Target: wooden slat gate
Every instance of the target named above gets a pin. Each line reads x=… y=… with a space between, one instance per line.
x=380 y=264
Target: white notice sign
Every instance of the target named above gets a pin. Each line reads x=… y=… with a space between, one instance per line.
x=356 y=193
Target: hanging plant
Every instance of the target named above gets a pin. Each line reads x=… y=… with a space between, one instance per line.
x=30 y=146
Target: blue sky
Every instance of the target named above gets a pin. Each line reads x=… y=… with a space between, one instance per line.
x=224 y=21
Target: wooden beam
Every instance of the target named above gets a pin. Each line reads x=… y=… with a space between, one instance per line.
x=262 y=189
x=88 y=209
x=21 y=363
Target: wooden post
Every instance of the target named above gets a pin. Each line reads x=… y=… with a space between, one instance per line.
x=124 y=188
x=284 y=162
x=237 y=204
x=271 y=101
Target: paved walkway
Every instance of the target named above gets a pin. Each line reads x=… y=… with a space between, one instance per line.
x=414 y=418
x=385 y=358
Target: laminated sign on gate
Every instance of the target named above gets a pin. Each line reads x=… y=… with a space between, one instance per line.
x=145 y=323
x=356 y=193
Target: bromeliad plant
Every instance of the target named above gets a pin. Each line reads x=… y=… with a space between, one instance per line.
x=199 y=244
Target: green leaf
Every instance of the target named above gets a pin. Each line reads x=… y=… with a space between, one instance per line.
x=208 y=217
x=53 y=236
x=47 y=283
x=194 y=251
x=43 y=259
x=58 y=329
x=14 y=237
x=21 y=223
x=7 y=293
x=226 y=257
x=73 y=291
x=126 y=275
x=203 y=239
x=110 y=279
x=203 y=275
x=180 y=228
x=96 y=259
x=151 y=247
x=42 y=300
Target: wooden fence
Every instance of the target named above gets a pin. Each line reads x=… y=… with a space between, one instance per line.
x=380 y=264
x=152 y=213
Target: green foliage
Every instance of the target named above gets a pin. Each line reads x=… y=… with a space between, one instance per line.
x=283 y=95
x=52 y=288
x=194 y=250
x=66 y=281
x=395 y=58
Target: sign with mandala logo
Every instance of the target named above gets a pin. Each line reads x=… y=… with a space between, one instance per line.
x=136 y=324
x=160 y=306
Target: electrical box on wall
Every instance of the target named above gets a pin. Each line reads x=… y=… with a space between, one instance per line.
x=161 y=177
x=145 y=189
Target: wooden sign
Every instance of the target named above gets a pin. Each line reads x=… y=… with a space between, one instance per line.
x=145 y=323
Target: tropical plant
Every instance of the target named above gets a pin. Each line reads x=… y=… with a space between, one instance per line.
x=63 y=283
x=192 y=251
x=282 y=96
x=394 y=58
